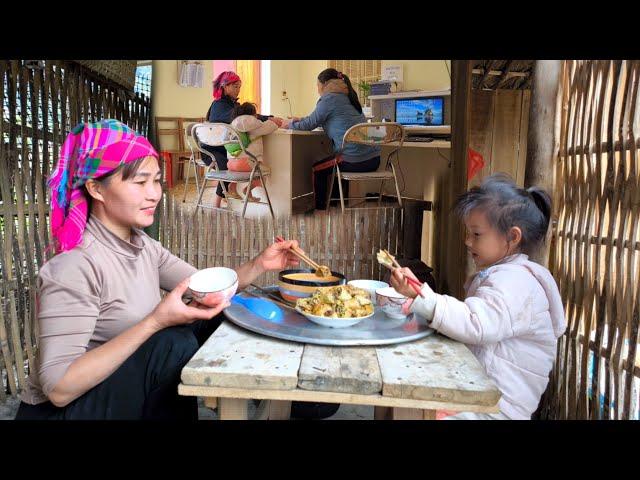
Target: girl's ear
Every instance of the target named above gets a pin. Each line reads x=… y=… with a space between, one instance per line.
x=515 y=236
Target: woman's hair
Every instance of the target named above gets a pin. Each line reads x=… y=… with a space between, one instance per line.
x=332 y=74
x=128 y=170
x=506 y=205
x=225 y=78
x=246 y=108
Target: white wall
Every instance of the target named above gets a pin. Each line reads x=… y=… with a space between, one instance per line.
x=298 y=78
x=265 y=85
x=172 y=100
x=423 y=74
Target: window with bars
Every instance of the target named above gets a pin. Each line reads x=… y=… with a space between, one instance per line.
x=8 y=92
x=143 y=80
x=359 y=71
x=18 y=113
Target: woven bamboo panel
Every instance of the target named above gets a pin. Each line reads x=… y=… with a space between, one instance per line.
x=41 y=106
x=595 y=248
x=121 y=72
x=345 y=243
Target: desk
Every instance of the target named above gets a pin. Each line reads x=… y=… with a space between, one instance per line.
x=290 y=154
x=435 y=144
x=404 y=381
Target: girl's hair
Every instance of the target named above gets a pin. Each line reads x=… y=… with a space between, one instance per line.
x=506 y=205
x=246 y=108
x=331 y=74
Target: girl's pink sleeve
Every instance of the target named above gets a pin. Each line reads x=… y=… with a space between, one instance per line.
x=266 y=128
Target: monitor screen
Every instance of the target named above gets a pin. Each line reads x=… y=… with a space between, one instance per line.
x=420 y=111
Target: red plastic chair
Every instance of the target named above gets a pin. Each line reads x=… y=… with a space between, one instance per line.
x=168 y=170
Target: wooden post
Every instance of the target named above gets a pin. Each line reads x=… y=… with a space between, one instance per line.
x=233 y=409
x=452 y=252
x=542 y=141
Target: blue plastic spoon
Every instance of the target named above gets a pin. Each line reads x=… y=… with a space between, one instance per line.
x=261 y=307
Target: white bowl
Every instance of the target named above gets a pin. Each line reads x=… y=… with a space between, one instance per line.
x=212 y=286
x=333 y=322
x=391 y=301
x=369 y=285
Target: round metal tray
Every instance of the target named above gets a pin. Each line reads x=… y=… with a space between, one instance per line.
x=376 y=330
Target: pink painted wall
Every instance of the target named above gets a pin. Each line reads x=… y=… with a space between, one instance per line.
x=220 y=66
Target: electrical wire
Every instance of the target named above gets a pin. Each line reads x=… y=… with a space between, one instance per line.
x=404 y=185
x=447 y=159
x=448 y=71
x=290 y=114
x=401 y=175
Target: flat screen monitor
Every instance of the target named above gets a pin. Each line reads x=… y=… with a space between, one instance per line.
x=420 y=111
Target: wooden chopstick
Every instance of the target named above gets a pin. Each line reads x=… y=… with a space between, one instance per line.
x=300 y=255
x=395 y=262
x=305 y=258
x=393 y=259
x=271 y=296
x=417 y=286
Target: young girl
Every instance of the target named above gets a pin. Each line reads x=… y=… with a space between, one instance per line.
x=109 y=346
x=251 y=129
x=512 y=315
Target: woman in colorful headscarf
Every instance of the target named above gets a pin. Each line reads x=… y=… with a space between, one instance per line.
x=226 y=89
x=109 y=346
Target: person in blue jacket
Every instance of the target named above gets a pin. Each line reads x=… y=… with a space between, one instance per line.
x=337 y=110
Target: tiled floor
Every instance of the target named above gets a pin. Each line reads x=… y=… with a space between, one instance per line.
x=209 y=193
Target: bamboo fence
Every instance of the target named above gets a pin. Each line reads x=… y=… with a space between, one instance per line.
x=596 y=243
x=345 y=243
x=40 y=106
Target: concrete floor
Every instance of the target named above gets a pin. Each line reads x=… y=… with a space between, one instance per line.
x=9 y=408
x=345 y=412
x=178 y=191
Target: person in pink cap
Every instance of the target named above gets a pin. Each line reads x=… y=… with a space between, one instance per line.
x=226 y=90
x=109 y=346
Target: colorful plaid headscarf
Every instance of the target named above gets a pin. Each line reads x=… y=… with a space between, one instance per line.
x=225 y=78
x=90 y=151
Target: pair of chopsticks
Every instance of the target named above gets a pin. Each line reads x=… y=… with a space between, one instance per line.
x=415 y=284
x=300 y=254
x=271 y=296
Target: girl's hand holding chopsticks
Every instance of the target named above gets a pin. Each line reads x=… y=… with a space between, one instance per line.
x=387 y=260
x=405 y=282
